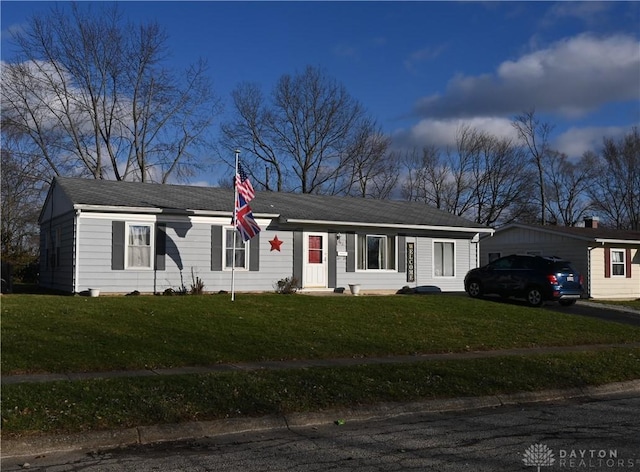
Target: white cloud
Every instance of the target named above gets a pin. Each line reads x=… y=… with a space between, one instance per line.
x=576 y=141
x=573 y=142
x=442 y=133
x=589 y=12
x=572 y=77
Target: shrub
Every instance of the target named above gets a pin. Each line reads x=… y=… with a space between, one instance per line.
x=287 y=285
x=197 y=287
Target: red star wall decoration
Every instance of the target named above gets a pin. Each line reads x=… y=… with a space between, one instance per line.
x=275 y=244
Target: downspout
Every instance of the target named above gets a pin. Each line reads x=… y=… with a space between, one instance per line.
x=589 y=269
x=76 y=249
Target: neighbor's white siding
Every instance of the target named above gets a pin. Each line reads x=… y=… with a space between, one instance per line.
x=614 y=287
x=524 y=240
x=587 y=257
x=56 y=270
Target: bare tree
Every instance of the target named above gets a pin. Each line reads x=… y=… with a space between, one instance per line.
x=486 y=179
x=304 y=135
x=616 y=187
x=426 y=178
x=567 y=184
x=502 y=181
x=534 y=135
x=252 y=132
x=372 y=171
x=91 y=93
x=22 y=192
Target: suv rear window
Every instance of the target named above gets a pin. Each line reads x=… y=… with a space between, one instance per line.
x=562 y=266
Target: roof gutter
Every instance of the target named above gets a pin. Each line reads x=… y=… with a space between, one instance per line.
x=617 y=241
x=390 y=225
x=156 y=210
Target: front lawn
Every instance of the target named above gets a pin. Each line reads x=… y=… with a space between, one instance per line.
x=67 y=407
x=42 y=333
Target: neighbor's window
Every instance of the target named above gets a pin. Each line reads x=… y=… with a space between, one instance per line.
x=240 y=252
x=444 y=259
x=494 y=256
x=52 y=250
x=376 y=252
x=139 y=246
x=617 y=262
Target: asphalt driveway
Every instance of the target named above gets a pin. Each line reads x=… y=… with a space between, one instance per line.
x=619 y=314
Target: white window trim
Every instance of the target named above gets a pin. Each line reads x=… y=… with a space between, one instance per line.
x=394 y=255
x=433 y=258
x=224 y=249
x=152 y=245
x=623 y=263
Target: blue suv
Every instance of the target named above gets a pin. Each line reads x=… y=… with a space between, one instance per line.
x=535 y=278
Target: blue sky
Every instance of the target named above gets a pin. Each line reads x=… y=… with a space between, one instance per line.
x=421 y=68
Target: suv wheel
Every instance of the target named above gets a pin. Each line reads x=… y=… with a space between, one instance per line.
x=534 y=296
x=474 y=289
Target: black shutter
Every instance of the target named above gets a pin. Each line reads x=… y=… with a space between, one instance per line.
x=117 y=245
x=161 y=245
x=351 y=252
x=402 y=254
x=216 y=248
x=298 y=255
x=254 y=253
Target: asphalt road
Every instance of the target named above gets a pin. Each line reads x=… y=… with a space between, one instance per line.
x=579 y=436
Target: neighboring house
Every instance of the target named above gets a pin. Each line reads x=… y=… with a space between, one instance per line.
x=609 y=259
x=124 y=236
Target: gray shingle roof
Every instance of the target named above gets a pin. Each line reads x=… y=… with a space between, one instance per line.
x=583 y=233
x=287 y=205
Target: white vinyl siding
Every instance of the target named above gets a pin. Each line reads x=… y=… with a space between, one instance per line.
x=188 y=251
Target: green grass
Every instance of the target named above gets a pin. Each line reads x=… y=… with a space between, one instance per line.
x=42 y=333
x=65 y=407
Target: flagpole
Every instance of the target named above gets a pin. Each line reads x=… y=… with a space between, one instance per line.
x=235 y=230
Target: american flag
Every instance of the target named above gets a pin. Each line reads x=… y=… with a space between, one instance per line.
x=243 y=184
x=244 y=220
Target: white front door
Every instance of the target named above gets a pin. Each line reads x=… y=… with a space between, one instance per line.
x=315 y=260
